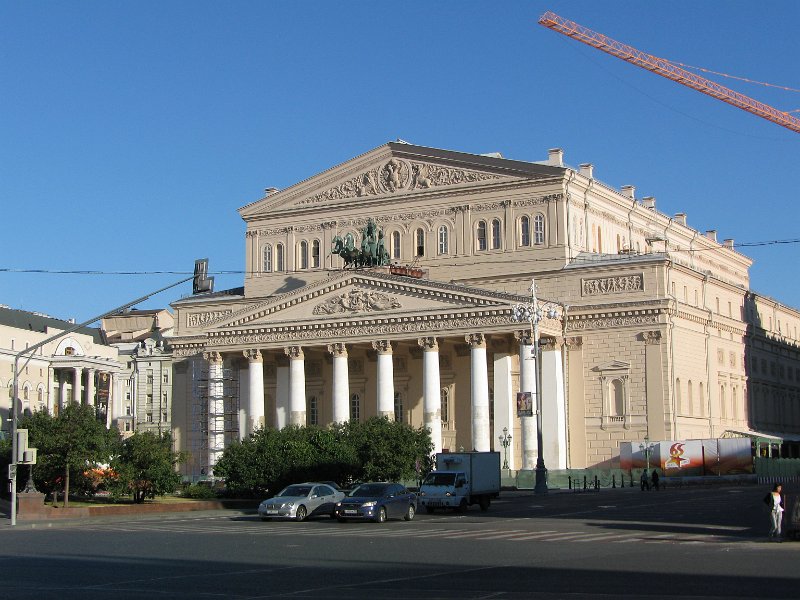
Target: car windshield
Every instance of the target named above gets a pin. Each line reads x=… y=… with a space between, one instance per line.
x=370 y=489
x=296 y=490
x=440 y=479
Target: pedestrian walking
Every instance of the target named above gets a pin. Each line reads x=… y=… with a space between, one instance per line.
x=774 y=502
x=645 y=481
x=654 y=479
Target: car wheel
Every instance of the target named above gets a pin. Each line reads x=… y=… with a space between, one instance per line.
x=301 y=513
x=410 y=512
x=381 y=518
x=485 y=502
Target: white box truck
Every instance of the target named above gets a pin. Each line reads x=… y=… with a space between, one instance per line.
x=461 y=479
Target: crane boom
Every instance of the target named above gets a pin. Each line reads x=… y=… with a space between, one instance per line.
x=663 y=67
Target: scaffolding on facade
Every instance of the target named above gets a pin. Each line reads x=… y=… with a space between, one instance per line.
x=214 y=417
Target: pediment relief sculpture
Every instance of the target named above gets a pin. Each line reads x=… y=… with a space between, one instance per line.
x=396 y=175
x=357 y=301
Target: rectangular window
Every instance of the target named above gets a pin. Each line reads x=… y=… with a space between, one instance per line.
x=127 y=425
x=149 y=377
x=166 y=377
x=164 y=417
x=128 y=410
x=149 y=417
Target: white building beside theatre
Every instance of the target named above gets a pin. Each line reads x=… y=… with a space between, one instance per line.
x=658 y=333
x=79 y=367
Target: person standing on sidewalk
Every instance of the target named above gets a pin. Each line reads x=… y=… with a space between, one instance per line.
x=654 y=479
x=776 y=512
x=645 y=481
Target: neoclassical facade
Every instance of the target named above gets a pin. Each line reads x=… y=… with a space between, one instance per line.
x=655 y=333
x=79 y=367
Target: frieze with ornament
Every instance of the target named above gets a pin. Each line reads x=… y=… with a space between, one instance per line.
x=397 y=175
x=612 y=285
x=604 y=323
x=200 y=319
x=357 y=301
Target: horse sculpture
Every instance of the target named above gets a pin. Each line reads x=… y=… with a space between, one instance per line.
x=371 y=253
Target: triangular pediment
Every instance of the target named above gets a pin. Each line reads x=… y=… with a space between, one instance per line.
x=613 y=366
x=395 y=170
x=362 y=296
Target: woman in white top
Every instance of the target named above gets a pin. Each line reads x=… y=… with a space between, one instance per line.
x=776 y=513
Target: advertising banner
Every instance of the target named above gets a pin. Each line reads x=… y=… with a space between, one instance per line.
x=524 y=404
x=103 y=391
x=680 y=458
x=735 y=456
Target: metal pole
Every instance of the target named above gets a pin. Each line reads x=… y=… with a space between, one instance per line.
x=30 y=350
x=541 y=471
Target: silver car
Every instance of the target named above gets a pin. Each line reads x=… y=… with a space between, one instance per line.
x=300 y=501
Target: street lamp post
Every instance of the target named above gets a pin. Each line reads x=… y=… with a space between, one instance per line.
x=533 y=312
x=505 y=441
x=647 y=448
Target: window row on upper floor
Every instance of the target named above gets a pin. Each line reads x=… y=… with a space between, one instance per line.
x=488 y=235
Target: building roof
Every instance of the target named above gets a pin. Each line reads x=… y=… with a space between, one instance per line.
x=31 y=321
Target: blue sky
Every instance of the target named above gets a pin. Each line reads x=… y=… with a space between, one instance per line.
x=130 y=133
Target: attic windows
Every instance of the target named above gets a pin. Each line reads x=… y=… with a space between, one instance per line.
x=496 y=234
x=481 y=233
x=538 y=229
x=443 y=240
x=279 y=257
x=419 y=241
x=395 y=245
x=315 y=254
x=304 y=255
x=524 y=231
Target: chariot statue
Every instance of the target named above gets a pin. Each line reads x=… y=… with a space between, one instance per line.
x=370 y=253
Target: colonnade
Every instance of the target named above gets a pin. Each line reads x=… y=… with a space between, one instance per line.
x=291 y=400
x=83 y=394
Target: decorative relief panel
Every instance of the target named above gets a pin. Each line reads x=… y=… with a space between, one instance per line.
x=606 y=322
x=398 y=175
x=612 y=285
x=199 y=319
x=357 y=301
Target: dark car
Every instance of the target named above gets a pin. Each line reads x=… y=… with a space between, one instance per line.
x=377 y=502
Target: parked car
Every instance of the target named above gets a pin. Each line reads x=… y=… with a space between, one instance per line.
x=377 y=502
x=300 y=501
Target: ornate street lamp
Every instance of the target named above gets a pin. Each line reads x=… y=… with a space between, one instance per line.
x=647 y=448
x=533 y=312
x=505 y=441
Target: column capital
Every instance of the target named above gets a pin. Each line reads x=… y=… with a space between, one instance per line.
x=337 y=349
x=524 y=337
x=475 y=340
x=294 y=352
x=382 y=346
x=253 y=355
x=429 y=344
x=574 y=343
x=651 y=338
x=213 y=357
x=549 y=343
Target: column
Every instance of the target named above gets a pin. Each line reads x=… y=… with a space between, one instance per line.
x=527 y=383
x=385 y=379
x=297 y=385
x=90 y=387
x=341 y=383
x=577 y=404
x=116 y=399
x=62 y=389
x=654 y=385
x=554 y=413
x=504 y=404
x=255 y=378
x=282 y=393
x=216 y=409
x=479 y=380
x=431 y=391
x=76 y=385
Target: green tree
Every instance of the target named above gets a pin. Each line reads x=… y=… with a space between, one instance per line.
x=145 y=467
x=69 y=446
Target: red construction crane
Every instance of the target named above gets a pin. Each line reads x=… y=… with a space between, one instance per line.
x=665 y=68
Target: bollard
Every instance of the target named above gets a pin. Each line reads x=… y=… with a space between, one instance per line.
x=613 y=481
x=569 y=478
x=596 y=483
x=631 y=477
x=622 y=480
x=584 y=482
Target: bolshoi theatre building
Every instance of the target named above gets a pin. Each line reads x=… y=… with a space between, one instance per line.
x=645 y=327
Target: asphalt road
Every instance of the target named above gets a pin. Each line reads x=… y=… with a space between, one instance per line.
x=689 y=543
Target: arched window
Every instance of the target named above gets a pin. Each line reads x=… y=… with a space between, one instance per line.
x=355 y=407
x=40 y=398
x=445 y=398
x=419 y=240
x=396 y=244
x=482 y=235
x=723 y=403
x=701 y=400
x=690 y=398
x=315 y=254
x=279 y=257
x=538 y=229
x=313 y=411
x=679 y=398
x=443 y=240
x=524 y=231
x=617 y=398
x=399 y=413
x=267 y=261
x=304 y=254
x=496 y=242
